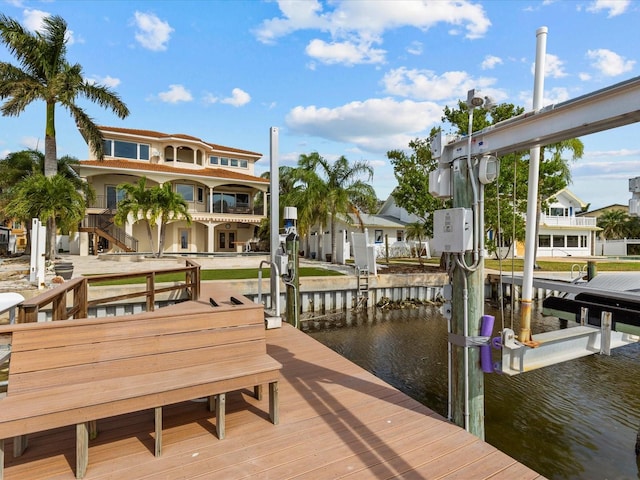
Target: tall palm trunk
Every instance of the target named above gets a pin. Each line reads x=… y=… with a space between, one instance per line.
x=50 y=170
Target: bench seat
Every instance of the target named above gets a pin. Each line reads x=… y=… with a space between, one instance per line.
x=79 y=371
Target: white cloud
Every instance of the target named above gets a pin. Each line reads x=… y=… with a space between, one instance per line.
x=615 y=7
x=415 y=48
x=31 y=143
x=347 y=53
x=352 y=27
x=107 y=81
x=553 y=67
x=33 y=20
x=210 y=98
x=152 y=33
x=490 y=62
x=426 y=85
x=4 y=153
x=585 y=77
x=175 y=94
x=609 y=63
x=551 y=97
x=238 y=98
x=374 y=125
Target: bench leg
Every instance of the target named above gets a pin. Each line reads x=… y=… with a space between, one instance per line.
x=158 y=422
x=274 y=412
x=93 y=429
x=257 y=392
x=82 y=449
x=212 y=402
x=220 y=410
x=1 y=459
x=20 y=445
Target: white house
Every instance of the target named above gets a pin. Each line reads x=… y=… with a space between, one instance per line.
x=561 y=232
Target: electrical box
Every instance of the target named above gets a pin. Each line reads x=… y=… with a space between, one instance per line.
x=453 y=230
x=282 y=262
x=440 y=182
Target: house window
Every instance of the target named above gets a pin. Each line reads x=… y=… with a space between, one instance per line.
x=185 y=190
x=378 y=236
x=107 y=146
x=544 y=241
x=399 y=235
x=558 y=241
x=200 y=195
x=572 y=241
x=224 y=161
x=184 y=239
x=556 y=212
x=131 y=150
x=213 y=160
x=144 y=151
x=234 y=162
x=583 y=241
x=113 y=197
x=244 y=164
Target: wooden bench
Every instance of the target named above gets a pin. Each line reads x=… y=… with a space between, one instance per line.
x=74 y=372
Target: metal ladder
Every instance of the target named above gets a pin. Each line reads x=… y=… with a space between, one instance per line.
x=362 y=300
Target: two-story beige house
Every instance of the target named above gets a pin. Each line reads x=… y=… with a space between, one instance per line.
x=226 y=200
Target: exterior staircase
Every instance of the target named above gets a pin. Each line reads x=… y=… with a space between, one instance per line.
x=102 y=225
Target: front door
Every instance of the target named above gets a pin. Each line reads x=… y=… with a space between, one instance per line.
x=226 y=241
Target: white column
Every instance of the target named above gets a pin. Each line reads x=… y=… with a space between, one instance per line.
x=211 y=245
x=210 y=199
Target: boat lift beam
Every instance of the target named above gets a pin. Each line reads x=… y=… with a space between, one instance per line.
x=560 y=346
x=604 y=109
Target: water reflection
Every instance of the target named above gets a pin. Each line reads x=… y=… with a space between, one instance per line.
x=574 y=420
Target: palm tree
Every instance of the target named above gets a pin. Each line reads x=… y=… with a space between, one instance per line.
x=417 y=231
x=613 y=224
x=168 y=205
x=45 y=74
x=18 y=166
x=332 y=190
x=47 y=198
x=137 y=202
x=159 y=203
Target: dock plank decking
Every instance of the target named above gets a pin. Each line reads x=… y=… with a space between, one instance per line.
x=336 y=420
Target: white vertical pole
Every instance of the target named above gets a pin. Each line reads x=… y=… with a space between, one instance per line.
x=274 y=186
x=38 y=249
x=532 y=197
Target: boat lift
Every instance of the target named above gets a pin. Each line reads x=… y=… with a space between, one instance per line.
x=604 y=109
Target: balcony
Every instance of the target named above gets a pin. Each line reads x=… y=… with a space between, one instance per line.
x=558 y=221
x=103 y=202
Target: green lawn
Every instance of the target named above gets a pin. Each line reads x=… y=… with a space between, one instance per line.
x=560 y=265
x=223 y=274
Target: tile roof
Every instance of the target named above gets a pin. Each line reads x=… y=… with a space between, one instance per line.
x=160 y=136
x=154 y=167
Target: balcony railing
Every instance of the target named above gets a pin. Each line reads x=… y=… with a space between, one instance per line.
x=554 y=221
x=102 y=203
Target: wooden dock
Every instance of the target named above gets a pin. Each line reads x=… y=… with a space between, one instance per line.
x=336 y=420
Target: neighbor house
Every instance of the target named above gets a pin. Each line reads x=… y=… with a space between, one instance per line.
x=225 y=198
x=562 y=232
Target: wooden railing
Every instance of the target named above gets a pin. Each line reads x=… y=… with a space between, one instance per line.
x=78 y=288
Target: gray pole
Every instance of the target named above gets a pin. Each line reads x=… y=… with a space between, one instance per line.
x=274 y=202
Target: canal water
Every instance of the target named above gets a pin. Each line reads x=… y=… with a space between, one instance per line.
x=574 y=420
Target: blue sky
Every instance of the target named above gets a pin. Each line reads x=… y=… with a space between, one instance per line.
x=354 y=78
